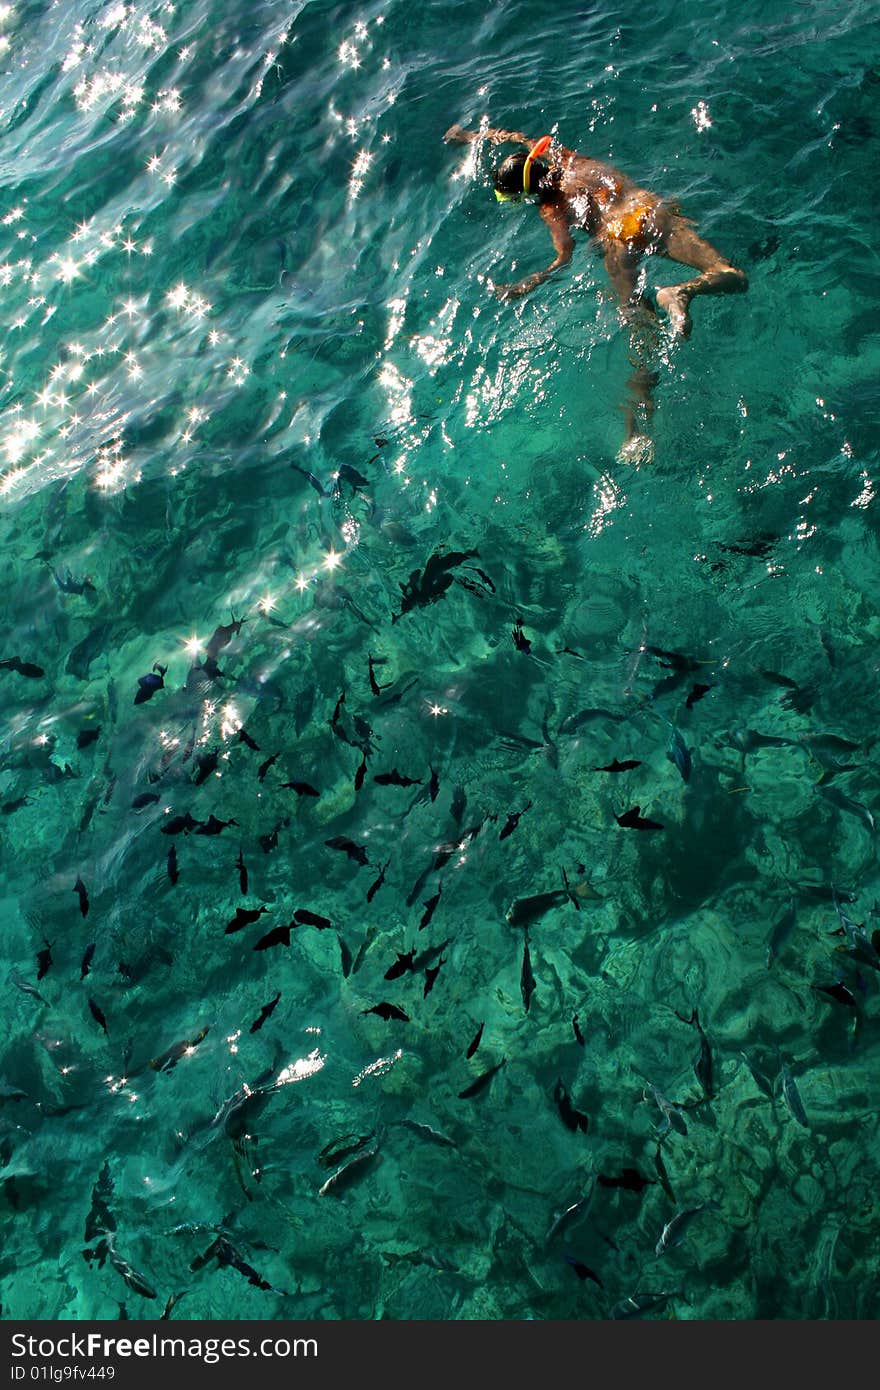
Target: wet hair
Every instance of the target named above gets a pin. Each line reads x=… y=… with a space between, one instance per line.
x=508 y=177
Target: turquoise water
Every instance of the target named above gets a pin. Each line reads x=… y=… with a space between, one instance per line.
x=234 y=250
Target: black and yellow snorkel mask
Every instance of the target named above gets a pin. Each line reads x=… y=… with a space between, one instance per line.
x=534 y=153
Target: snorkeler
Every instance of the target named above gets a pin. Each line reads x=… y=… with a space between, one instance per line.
x=628 y=223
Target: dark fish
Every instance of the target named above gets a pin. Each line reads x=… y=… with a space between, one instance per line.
x=100 y=1220
x=337 y=711
x=520 y=641
x=829 y=743
x=171 y=865
x=763 y=1084
x=360 y=774
x=206 y=763
x=760 y=548
x=80 y=889
x=703 y=1067
x=225 y=1253
x=458 y=805
x=748 y=740
x=697 y=693
x=70 y=585
x=663 y=1175
x=430 y=906
x=430 y=954
x=245 y=738
x=676 y=661
x=26 y=987
x=301 y=788
x=356 y=852
x=213 y=826
x=434 y=785
x=679 y=755
x=44 y=961
x=826 y=893
x=180 y=825
x=347 y=958
x=674 y=1231
x=369 y=938
x=848 y=803
x=526 y=979
x=270 y=841
x=632 y=820
x=616 y=766
x=144 y=799
x=401 y=966
x=149 y=684
x=640 y=1304
x=396 y=779
x=278 y=936
x=377 y=883
x=9 y=808
x=83 y=654
x=350 y=475
x=244 y=917
x=374 y=684
x=264 y=767
x=87 y=736
x=579 y=1037
x=364 y=733
x=791 y=1094
x=569 y=1215
x=513 y=821
x=352 y=1169
x=387 y=1012
x=837 y=991
x=781 y=932
x=242 y=872
x=167 y=1060
x=265 y=1012
x=222 y=636
x=304 y=918
x=523 y=911
x=481 y=1082
x=475 y=1041
x=173 y=1299
x=335 y=1153
x=796 y=697
x=583 y=1271
x=571 y=1118
x=433 y=1136
x=87 y=960
x=431 y=975
x=315 y=482
x=424 y=587
x=24 y=668
x=672 y=1116
x=574 y=722
x=97 y=1014
x=629 y=1179
x=135 y=1281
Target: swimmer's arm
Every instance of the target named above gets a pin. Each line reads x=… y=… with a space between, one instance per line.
x=457 y=135
x=557 y=221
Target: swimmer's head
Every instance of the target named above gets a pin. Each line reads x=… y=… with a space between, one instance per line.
x=525 y=173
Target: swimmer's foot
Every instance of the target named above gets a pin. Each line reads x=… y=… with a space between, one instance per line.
x=674 y=304
x=636 y=450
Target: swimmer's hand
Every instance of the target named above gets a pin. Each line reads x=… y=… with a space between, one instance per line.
x=508 y=292
x=457 y=135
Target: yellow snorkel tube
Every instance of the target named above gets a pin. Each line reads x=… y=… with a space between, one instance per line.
x=538 y=149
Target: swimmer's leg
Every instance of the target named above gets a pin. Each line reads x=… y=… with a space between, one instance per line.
x=639 y=316
x=679 y=242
